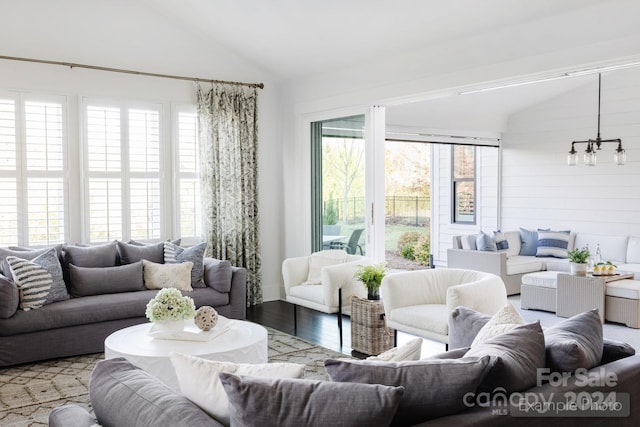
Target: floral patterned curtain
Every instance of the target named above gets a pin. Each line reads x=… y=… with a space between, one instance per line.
x=228 y=135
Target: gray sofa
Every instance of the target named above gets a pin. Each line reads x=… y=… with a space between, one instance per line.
x=124 y=395
x=79 y=324
x=512 y=263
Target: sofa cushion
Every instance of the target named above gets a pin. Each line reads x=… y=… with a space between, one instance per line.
x=9 y=297
x=528 y=242
x=544 y=279
x=612 y=248
x=41 y=272
x=503 y=321
x=296 y=402
x=131 y=253
x=124 y=395
x=454 y=378
x=430 y=317
x=199 y=380
x=403 y=353
x=523 y=264
x=159 y=276
x=516 y=357
x=105 y=280
x=218 y=274
x=574 y=343
x=464 y=325
x=552 y=243
x=484 y=242
x=195 y=254
x=627 y=288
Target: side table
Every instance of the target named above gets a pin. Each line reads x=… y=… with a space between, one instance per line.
x=369 y=332
x=581 y=293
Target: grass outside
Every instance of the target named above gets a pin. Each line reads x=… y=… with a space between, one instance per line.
x=392 y=233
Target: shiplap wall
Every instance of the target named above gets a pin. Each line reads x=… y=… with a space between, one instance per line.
x=443 y=229
x=540 y=190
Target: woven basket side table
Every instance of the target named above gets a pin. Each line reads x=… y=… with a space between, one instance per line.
x=369 y=332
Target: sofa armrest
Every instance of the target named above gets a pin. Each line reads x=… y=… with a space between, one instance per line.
x=71 y=415
x=340 y=276
x=238 y=293
x=489 y=262
x=486 y=296
x=294 y=271
x=9 y=297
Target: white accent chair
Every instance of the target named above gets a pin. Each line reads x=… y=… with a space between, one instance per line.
x=420 y=302
x=323 y=281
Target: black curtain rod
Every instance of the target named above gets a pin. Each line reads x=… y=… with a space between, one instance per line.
x=138 y=73
x=474 y=144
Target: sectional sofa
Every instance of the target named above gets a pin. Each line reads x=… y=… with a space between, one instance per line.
x=104 y=291
x=521 y=255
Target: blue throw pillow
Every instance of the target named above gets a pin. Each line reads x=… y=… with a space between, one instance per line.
x=553 y=243
x=484 y=242
x=528 y=242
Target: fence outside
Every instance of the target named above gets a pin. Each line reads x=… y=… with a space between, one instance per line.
x=406 y=209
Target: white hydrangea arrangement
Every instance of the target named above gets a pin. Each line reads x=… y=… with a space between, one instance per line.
x=169 y=304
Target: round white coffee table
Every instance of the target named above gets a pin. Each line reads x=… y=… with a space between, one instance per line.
x=242 y=342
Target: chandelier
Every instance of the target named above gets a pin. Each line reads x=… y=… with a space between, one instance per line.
x=619 y=156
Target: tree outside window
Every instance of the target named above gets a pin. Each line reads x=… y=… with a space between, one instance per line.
x=463 y=172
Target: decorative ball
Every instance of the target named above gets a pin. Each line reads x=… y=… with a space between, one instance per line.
x=206 y=318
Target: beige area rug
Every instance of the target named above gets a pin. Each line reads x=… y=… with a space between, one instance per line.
x=29 y=392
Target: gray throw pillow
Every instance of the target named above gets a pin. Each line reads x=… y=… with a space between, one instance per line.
x=433 y=387
x=9 y=297
x=106 y=280
x=615 y=350
x=287 y=402
x=217 y=274
x=484 y=242
x=464 y=325
x=516 y=356
x=22 y=253
x=131 y=253
x=575 y=342
x=124 y=395
x=174 y=254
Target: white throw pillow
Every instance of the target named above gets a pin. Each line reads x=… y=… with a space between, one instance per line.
x=468 y=242
x=409 y=351
x=321 y=259
x=159 y=276
x=503 y=321
x=199 y=381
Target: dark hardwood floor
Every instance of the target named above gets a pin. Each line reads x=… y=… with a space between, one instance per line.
x=319 y=328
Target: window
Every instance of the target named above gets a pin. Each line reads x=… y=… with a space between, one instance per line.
x=123 y=180
x=463 y=173
x=187 y=171
x=32 y=170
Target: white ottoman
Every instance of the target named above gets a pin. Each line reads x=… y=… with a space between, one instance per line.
x=538 y=291
x=622 y=302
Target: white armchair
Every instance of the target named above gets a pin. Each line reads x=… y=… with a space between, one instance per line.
x=323 y=281
x=420 y=302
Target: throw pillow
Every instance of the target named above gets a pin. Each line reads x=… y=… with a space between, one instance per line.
x=575 y=342
x=106 y=280
x=615 y=350
x=501 y=240
x=41 y=268
x=105 y=255
x=468 y=242
x=218 y=274
x=23 y=253
x=288 y=402
x=516 y=357
x=9 y=297
x=484 y=242
x=464 y=325
x=199 y=380
x=131 y=253
x=503 y=321
x=553 y=243
x=159 y=276
x=453 y=377
x=321 y=259
x=409 y=351
x=127 y=396
x=194 y=254
x=528 y=242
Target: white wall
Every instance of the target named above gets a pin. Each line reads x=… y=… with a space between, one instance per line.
x=540 y=190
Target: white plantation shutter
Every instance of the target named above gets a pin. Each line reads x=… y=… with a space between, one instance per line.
x=45 y=207
x=187 y=169
x=8 y=212
x=8 y=171
x=7 y=135
x=123 y=147
x=43 y=136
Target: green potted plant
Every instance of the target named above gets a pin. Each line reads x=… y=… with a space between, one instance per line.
x=578 y=259
x=371 y=276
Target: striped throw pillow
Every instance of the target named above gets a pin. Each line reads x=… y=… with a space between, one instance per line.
x=553 y=243
x=33 y=282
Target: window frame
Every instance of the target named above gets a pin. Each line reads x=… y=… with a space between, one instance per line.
x=455 y=181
